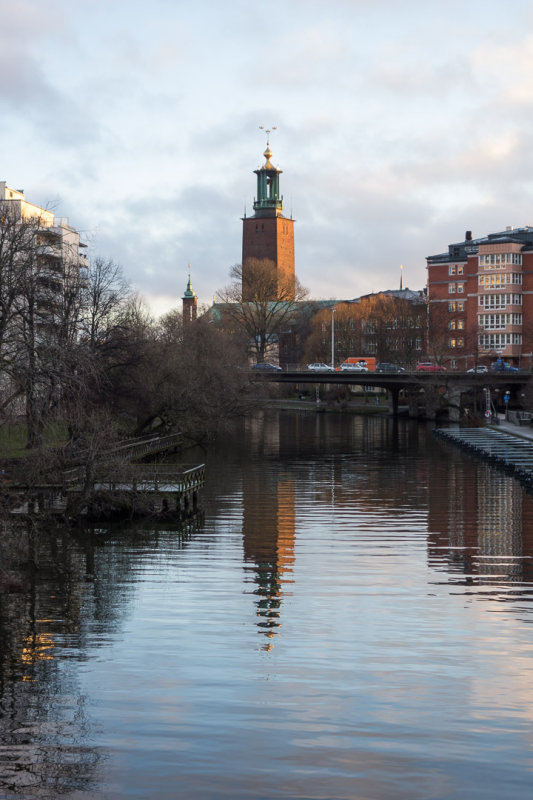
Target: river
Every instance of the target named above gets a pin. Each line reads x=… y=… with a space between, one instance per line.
x=349 y=618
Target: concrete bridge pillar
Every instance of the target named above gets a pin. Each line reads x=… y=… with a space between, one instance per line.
x=413 y=400
x=454 y=402
x=393 y=395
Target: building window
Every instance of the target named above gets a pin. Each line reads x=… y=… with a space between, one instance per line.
x=460 y=306
x=497 y=301
x=451 y=307
x=452 y=342
x=499 y=260
x=451 y=325
x=460 y=269
x=495 y=281
x=460 y=324
x=497 y=341
x=451 y=288
x=498 y=321
x=460 y=288
x=451 y=269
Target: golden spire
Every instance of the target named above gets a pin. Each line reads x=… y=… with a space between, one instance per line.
x=268 y=152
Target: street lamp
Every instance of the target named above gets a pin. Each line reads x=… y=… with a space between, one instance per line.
x=332 y=337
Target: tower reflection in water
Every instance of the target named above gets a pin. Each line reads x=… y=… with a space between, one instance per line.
x=268 y=540
x=268 y=529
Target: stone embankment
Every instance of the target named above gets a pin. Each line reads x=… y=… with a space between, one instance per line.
x=500 y=446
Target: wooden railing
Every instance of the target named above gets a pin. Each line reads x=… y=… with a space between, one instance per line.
x=142 y=478
x=136 y=448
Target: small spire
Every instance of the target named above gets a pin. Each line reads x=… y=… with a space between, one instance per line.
x=189 y=290
x=268 y=152
x=401 y=277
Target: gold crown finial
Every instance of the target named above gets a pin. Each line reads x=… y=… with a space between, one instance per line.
x=268 y=131
x=268 y=152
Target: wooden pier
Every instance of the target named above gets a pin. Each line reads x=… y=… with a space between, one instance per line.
x=502 y=449
x=142 y=488
x=115 y=485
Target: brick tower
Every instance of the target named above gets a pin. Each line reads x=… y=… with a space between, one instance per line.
x=268 y=235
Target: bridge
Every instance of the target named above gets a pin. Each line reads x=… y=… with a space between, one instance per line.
x=454 y=383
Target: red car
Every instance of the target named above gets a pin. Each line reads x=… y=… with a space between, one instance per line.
x=429 y=366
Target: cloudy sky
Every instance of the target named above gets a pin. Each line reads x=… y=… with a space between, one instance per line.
x=400 y=124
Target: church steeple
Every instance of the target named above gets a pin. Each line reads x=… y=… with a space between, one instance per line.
x=189 y=302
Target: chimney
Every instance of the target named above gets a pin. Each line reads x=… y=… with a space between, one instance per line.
x=468 y=236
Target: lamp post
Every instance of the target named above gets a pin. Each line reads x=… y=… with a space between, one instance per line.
x=332 y=338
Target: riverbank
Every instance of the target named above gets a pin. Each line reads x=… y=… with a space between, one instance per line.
x=309 y=404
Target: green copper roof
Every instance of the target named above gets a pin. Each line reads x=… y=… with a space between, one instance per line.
x=188 y=291
x=269 y=201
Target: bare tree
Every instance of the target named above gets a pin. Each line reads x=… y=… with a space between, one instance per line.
x=270 y=303
x=202 y=386
x=438 y=332
x=105 y=294
x=347 y=341
x=18 y=243
x=393 y=327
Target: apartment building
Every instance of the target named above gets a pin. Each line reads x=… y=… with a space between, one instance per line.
x=480 y=296
x=42 y=271
x=57 y=241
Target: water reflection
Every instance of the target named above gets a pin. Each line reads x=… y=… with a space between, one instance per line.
x=268 y=529
x=480 y=525
x=44 y=725
x=322 y=632
x=61 y=594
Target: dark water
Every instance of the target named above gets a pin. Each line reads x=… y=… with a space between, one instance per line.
x=350 y=619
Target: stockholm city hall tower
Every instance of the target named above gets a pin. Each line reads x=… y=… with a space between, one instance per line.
x=268 y=236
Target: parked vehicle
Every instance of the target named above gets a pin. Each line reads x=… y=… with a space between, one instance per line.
x=385 y=367
x=481 y=369
x=503 y=366
x=429 y=366
x=320 y=367
x=264 y=366
x=359 y=367
x=366 y=361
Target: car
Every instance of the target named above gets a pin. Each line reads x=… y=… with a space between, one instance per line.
x=384 y=367
x=503 y=366
x=429 y=366
x=320 y=367
x=481 y=369
x=358 y=367
x=264 y=366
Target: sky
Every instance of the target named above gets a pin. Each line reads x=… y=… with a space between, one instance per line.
x=400 y=124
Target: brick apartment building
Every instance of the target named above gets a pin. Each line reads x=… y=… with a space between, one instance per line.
x=480 y=299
